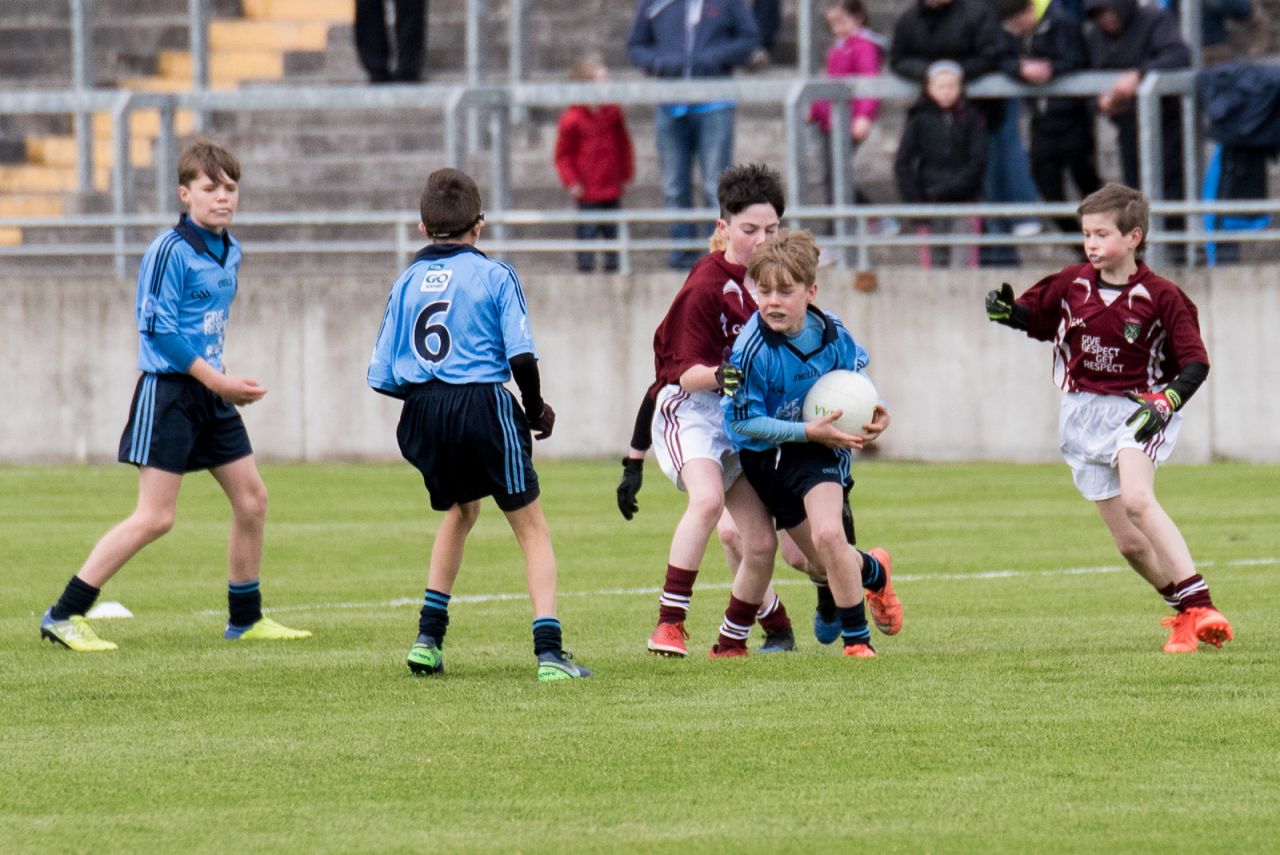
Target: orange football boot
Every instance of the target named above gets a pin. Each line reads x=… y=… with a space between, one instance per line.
x=862 y=651
x=1183 y=637
x=668 y=639
x=886 y=608
x=1211 y=626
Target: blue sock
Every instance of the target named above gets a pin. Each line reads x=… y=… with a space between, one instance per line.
x=433 y=620
x=546 y=636
x=872 y=572
x=853 y=625
x=244 y=602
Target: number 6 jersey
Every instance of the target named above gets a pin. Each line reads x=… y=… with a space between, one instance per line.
x=454 y=315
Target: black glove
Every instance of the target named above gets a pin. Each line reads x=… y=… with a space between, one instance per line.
x=629 y=486
x=545 y=421
x=1153 y=413
x=728 y=378
x=1000 y=304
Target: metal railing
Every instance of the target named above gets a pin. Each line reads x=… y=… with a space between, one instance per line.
x=465 y=108
x=401 y=236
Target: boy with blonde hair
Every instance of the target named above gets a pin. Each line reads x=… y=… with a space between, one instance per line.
x=797 y=469
x=1128 y=355
x=183 y=417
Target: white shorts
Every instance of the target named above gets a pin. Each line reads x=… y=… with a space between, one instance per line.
x=1092 y=430
x=690 y=426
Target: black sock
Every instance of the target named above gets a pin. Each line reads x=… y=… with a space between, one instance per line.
x=77 y=598
x=872 y=572
x=546 y=636
x=433 y=620
x=826 y=602
x=244 y=602
x=853 y=625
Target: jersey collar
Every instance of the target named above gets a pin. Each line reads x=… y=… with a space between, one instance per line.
x=187 y=231
x=777 y=339
x=436 y=251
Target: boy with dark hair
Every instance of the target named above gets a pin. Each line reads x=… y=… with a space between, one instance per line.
x=693 y=449
x=797 y=469
x=183 y=418
x=1049 y=45
x=456 y=329
x=1124 y=336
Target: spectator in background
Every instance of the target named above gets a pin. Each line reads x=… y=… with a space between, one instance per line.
x=968 y=33
x=1215 y=18
x=963 y=31
x=411 y=40
x=594 y=159
x=1062 y=140
x=674 y=39
x=856 y=51
x=1121 y=35
x=943 y=152
x=768 y=15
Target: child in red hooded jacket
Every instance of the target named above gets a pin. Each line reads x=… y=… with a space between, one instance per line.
x=595 y=160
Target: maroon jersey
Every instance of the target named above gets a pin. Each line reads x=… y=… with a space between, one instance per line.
x=704 y=319
x=1111 y=340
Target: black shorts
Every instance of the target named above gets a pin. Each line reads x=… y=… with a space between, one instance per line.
x=178 y=425
x=783 y=476
x=469 y=441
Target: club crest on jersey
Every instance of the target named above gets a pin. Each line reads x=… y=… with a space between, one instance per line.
x=436 y=278
x=1132 y=329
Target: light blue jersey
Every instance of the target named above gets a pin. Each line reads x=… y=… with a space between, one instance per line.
x=185 y=289
x=776 y=375
x=455 y=316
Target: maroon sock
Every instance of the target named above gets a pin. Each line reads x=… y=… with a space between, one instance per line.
x=1193 y=593
x=773 y=616
x=736 y=626
x=673 y=604
x=1170 y=597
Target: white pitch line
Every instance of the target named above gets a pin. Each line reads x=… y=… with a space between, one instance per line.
x=724 y=586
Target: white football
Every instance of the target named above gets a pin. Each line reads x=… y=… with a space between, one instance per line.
x=847 y=391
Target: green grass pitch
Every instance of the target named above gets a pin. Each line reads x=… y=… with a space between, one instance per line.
x=1025 y=707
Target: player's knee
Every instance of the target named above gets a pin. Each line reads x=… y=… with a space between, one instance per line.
x=760 y=548
x=829 y=539
x=730 y=540
x=251 y=503
x=1137 y=504
x=1131 y=548
x=154 y=524
x=707 y=509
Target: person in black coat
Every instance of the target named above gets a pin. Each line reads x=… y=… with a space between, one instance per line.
x=943 y=152
x=1050 y=44
x=1121 y=35
x=964 y=31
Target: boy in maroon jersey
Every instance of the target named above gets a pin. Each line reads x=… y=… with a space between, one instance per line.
x=691 y=445
x=1124 y=336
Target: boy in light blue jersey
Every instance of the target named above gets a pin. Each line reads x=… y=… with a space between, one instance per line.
x=183 y=417
x=798 y=468
x=456 y=328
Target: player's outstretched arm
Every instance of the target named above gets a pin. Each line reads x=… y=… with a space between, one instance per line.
x=1003 y=309
x=237 y=390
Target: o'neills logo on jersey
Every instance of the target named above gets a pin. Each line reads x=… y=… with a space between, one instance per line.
x=1132 y=329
